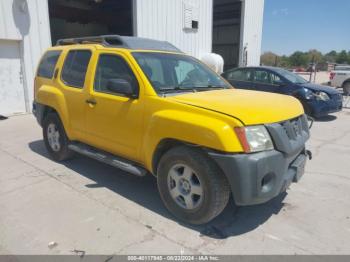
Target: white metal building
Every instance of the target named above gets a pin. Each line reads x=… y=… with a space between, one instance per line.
x=231 y=28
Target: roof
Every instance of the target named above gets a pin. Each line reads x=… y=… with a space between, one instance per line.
x=128 y=42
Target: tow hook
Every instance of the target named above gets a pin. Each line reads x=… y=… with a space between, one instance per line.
x=309 y=154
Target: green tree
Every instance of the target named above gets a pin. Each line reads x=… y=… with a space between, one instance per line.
x=315 y=56
x=269 y=59
x=284 y=61
x=342 y=57
x=299 y=59
x=331 y=56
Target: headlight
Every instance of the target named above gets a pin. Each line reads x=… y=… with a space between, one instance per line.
x=254 y=138
x=309 y=94
x=317 y=95
x=322 y=96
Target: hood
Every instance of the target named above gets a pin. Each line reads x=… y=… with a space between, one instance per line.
x=251 y=107
x=326 y=89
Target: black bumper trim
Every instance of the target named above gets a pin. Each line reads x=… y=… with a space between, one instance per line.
x=257 y=178
x=38 y=111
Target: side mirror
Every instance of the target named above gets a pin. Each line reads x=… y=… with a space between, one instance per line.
x=121 y=86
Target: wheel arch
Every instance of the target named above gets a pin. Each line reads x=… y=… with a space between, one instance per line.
x=346 y=81
x=164 y=146
x=53 y=100
x=346 y=87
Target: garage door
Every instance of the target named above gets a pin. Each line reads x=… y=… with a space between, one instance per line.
x=12 y=99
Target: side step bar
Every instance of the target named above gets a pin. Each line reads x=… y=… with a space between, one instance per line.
x=108 y=158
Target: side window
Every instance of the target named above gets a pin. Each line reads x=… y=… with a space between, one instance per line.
x=265 y=77
x=74 y=68
x=241 y=75
x=262 y=76
x=275 y=79
x=48 y=63
x=236 y=75
x=112 y=67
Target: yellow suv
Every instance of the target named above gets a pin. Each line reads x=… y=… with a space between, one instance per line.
x=147 y=108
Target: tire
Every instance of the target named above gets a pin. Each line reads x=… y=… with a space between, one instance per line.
x=55 y=138
x=346 y=89
x=208 y=193
x=307 y=109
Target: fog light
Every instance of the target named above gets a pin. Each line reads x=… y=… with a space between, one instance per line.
x=267 y=182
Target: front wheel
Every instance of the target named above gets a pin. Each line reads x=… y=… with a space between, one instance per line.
x=55 y=138
x=346 y=89
x=307 y=109
x=191 y=185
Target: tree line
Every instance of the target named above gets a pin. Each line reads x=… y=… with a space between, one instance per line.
x=303 y=59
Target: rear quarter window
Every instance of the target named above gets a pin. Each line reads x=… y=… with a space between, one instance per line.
x=48 y=63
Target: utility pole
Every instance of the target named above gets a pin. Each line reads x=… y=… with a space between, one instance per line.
x=276 y=60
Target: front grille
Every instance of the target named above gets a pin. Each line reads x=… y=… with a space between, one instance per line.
x=290 y=136
x=337 y=97
x=295 y=127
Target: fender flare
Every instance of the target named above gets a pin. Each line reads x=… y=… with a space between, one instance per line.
x=189 y=128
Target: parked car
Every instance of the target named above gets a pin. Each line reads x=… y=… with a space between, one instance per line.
x=317 y=100
x=143 y=106
x=340 y=78
x=300 y=69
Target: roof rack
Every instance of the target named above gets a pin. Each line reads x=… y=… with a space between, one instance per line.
x=129 y=42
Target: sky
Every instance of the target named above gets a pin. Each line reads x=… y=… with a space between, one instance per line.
x=292 y=25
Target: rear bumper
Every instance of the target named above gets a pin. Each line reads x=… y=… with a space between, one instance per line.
x=259 y=177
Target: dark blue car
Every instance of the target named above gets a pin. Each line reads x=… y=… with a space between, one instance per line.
x=317 y=100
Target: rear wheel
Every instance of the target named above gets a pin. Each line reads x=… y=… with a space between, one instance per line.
x=55 y=138
x=191 y=185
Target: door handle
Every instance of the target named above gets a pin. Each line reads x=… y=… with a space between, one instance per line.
x=91 y=101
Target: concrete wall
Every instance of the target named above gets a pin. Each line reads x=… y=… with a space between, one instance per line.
x=251 y=31
x=27 y=22
x=163 y=20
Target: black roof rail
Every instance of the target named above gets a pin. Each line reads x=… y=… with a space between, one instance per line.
x=129 y=42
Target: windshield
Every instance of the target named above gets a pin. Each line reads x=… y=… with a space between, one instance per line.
x=177 y=73
x=294 y=78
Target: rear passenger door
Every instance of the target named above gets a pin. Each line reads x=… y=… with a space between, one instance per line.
x=240 y=78
x=74 y=78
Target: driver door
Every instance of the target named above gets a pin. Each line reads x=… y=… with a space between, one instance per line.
x=114 y=121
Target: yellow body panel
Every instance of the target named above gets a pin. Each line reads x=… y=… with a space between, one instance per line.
x=133 y=128
x=251 y=107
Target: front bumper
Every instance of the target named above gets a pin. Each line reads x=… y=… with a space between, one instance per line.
x=257 y=178
x=323 y=108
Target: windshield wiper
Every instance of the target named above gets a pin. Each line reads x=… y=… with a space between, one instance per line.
x=177 y=89
x=166 y=90
x=211 y=87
